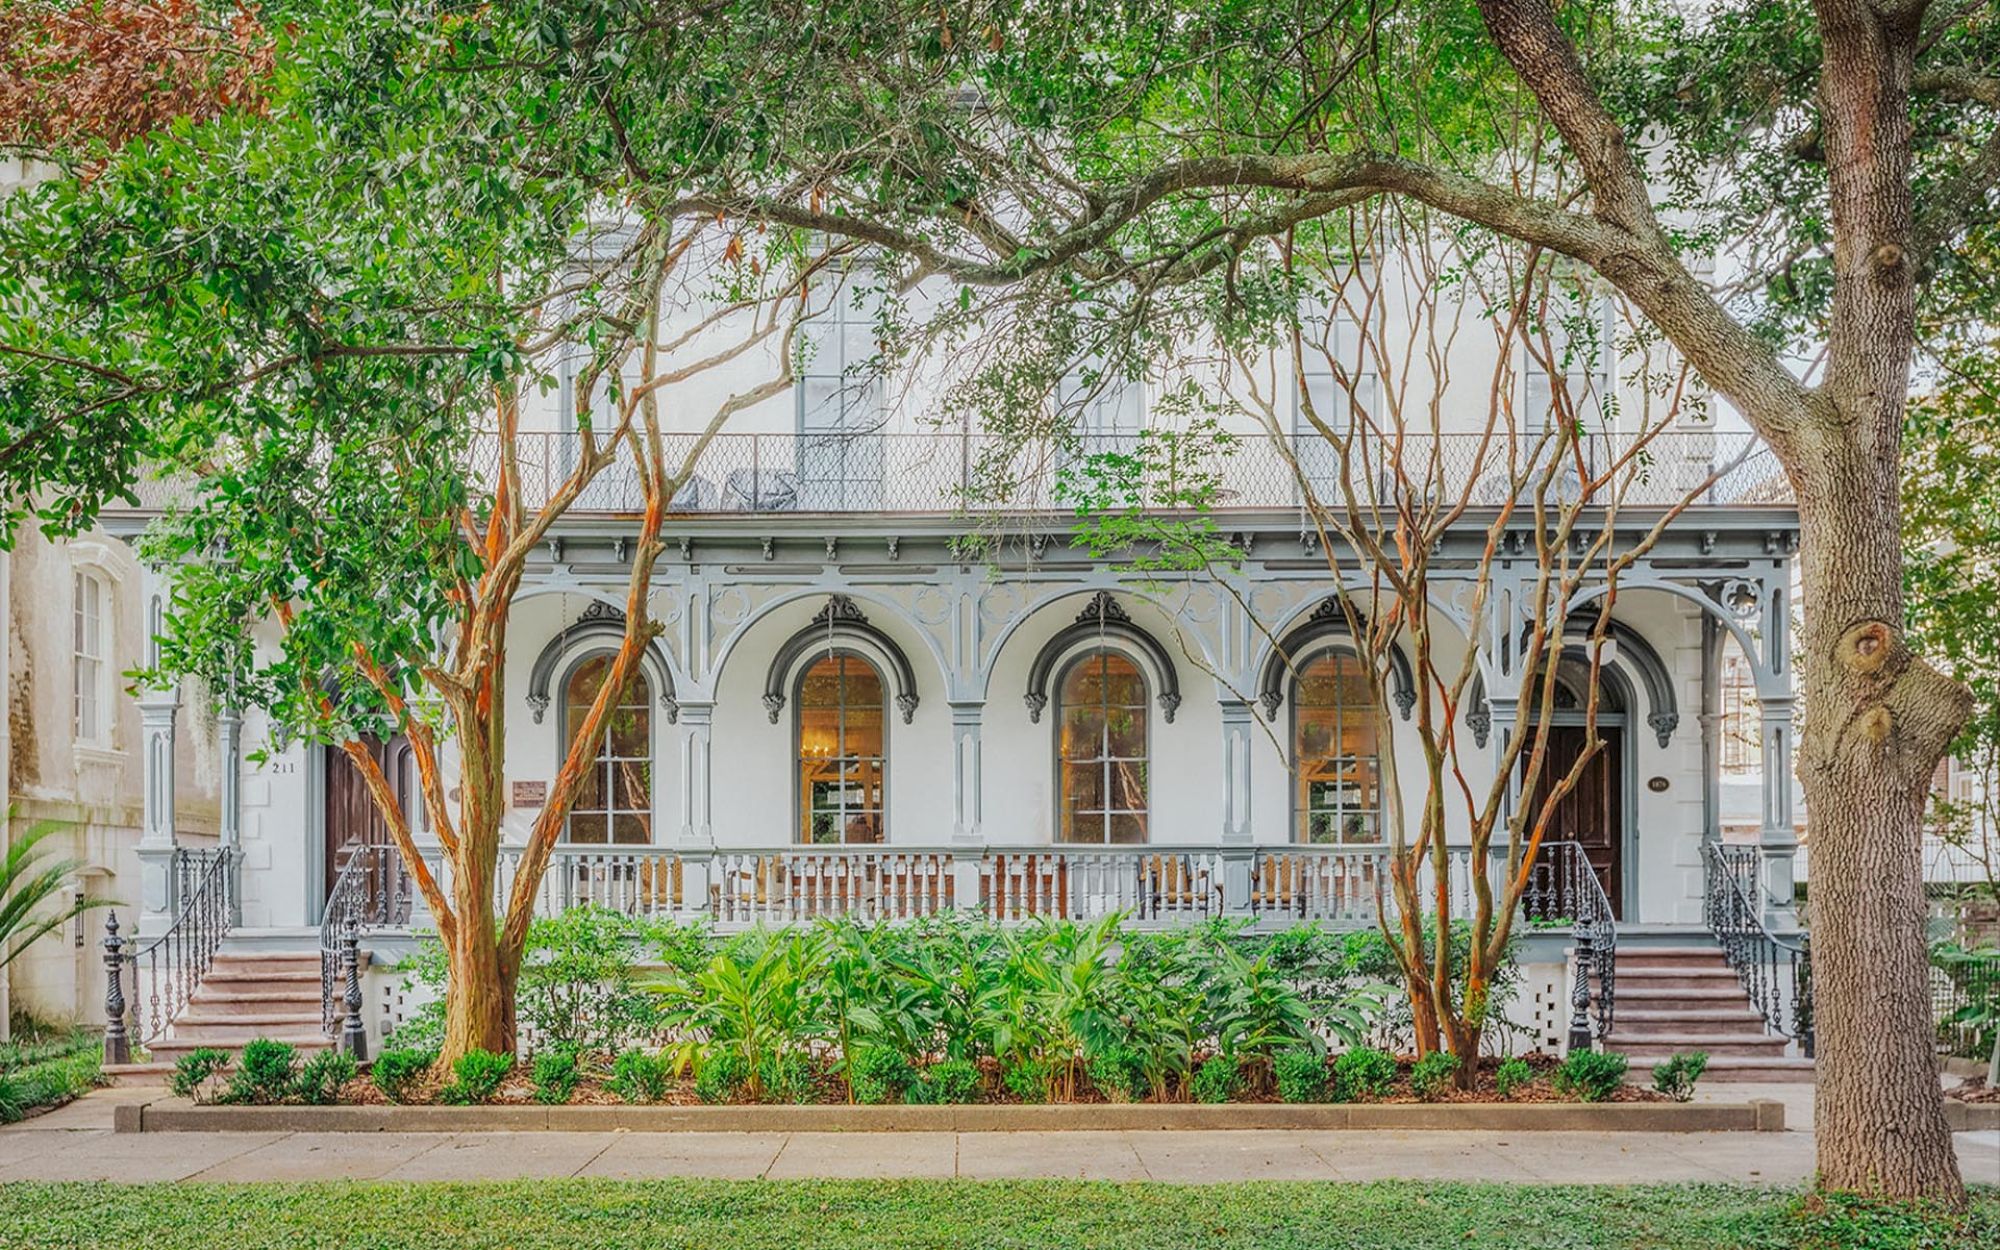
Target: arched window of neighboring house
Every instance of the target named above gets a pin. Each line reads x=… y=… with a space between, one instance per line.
x=91 y=647
x=1102 y=719
x=615 y=804
x=1335 y=749
x=842 y=750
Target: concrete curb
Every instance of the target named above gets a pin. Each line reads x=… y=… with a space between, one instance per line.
x=174 y=1115
x=1971 y=1117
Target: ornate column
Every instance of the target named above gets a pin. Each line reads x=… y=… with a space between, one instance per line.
x=1711 y=726
x=695 y=838
x=1777 y=837
x=1238 y=836
x=229 y=745
x=158 y=711
x=967 y=824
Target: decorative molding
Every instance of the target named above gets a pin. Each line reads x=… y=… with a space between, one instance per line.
x=840 y=621
x=601 y=622
x=768 y=542
x=1481 y=720
x=1106 y=619
x=1328 y=620
x=894 y=543
x=1663 y=725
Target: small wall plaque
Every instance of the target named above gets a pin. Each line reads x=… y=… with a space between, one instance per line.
x=531 y=793
x=1658 y=785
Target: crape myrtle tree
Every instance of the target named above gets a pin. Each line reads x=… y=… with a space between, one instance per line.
x=1747 y=176
x=316 y=326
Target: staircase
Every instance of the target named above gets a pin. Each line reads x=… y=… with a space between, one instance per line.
x=246 y=996
x=1672 y=999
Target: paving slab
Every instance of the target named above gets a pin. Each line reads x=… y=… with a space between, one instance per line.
x=842 y=1156
x=1383 y=1154
x=92 y=1111
x=1065 y=1156
x=727 y=1156
x=101 y=1156
x=503 y=1156
x=321 y=1157
x=1204 y=1157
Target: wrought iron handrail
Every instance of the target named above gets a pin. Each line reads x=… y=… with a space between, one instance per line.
x=1563 y=885
x=1775 y=971
x=372 y=890
x=167 y=970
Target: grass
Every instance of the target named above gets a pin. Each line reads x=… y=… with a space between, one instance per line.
x=839 y=1215
x=46 y=1067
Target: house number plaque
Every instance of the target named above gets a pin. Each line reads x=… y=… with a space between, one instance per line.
x=531 y=793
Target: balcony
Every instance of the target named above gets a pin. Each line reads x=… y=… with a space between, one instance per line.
x=944 y=474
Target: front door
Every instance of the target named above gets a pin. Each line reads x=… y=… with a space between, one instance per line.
x=1592 y=814
x=352 y=819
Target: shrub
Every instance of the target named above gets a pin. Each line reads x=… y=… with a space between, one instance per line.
x=399 y=1068
x=556 y=1072
x=195 y=1074
x=1431 y=1074
x=1676 y=1077
x=637 y=1076
x=323 y=1076
x=878 y=1074
x=576 y=986
x=1590 y=1075
x=1512 y=1075
x=476 y=1077
x=1364 y=1072
x=787 y=1078
x=721 y=1076
x=947 y=1081
x=1301 y=1074
x=1027 y=1079
x=1218 y=1079
x=265 y=1073
x=1119 y=1073
x=47 y=1082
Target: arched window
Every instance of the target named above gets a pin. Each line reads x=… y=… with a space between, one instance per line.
x=1334 y=736
x=842 y=751
x=1101 y=749
x=615 y=804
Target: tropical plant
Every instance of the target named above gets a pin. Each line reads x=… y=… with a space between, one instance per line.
x=36 y=895
x=756 y=1000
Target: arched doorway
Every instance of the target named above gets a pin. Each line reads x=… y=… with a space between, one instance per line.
x=353 y=822
x=1595 y=812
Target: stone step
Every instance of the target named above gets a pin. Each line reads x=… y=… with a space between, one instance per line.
x=1669 y=957
x=1669 y=995
x=261 y=975
x=1677 y=978
x=154 y=1073
x=197 y=1026
x=1653 y=1023
x=169 y=1050
x=262 y=958
x=1734 y=1068
x=266 y=999
x=1667 y=1045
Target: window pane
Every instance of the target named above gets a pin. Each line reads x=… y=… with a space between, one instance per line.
x=632 y=829
x=1083 y=787
x=586 y=827
x=631 y=733
x=1128 y=787
x=1128 y=829
x=1127 y=733
x=620 y=779
x=1082 y=733
x=632 y=785
x=1124 y=686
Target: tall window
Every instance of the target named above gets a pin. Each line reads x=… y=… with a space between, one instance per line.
x=1338 y=376
x=90 y=644
x=1102 y=750
x=840 y=390
x=1574 y=345
x=1106 y=405
x=615 y=804
x=842 y=761
x=1336 y=753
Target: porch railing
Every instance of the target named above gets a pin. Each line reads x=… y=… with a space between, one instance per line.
x=163 y=974
x=1776 y=971
x=1149 y=884
x=373 y=890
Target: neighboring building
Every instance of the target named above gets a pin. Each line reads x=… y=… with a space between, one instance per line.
x=845 y=711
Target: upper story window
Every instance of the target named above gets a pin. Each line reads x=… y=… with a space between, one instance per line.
x=1108 y=408
x=840 y=384
x=842 y=751
x=1337 y=365
x=1101 y=749
x=91 y=646
x=1571 y=350
x=1336 y=752
x=615 y=805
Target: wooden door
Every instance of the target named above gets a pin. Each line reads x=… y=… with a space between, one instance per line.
x=352 y=819
x=1592 y=814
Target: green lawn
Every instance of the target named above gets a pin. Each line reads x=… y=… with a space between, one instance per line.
x=805 y=1215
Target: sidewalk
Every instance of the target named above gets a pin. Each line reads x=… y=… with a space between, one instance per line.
x=76 y=1143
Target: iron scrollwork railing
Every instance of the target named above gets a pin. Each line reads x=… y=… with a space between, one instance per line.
x=1563 y=887
x=1776 y=972
x=372 y=891
x=164 y=973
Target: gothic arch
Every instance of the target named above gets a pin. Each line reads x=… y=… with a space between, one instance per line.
x=840 y=624
x=1103 y=618
x=1327 y=621
x=604 y=624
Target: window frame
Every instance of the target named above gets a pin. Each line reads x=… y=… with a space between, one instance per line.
x=1064 y=671
x=643 y=681
x=97 y=697
x=801 y=825
x=1598 y=381
x=1301 y=812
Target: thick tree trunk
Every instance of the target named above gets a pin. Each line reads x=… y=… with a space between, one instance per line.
x=1877 y=722
x=479 y=998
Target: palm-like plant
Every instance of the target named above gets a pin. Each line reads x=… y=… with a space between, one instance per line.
x=29 y=879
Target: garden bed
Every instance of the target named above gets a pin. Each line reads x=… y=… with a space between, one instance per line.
x=173 y=1115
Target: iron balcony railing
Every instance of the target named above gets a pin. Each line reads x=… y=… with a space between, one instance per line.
x=954 y=473
x=1776 y=971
